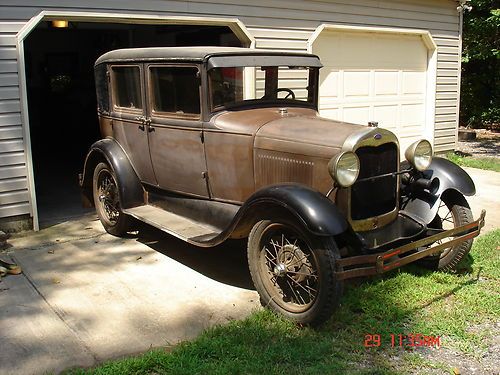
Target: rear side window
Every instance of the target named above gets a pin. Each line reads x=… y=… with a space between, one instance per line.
x=175 y=90
x=101 y=86
x=127 y=87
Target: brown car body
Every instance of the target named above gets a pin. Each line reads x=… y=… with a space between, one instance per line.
x=218 y=172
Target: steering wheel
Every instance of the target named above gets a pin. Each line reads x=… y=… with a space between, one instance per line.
x=284 y=89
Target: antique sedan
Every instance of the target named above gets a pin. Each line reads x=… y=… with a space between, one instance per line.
x=212 y=143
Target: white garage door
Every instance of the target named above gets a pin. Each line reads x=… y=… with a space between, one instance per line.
x=374 y=77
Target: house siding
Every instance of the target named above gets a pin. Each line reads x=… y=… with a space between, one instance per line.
x=275 y=24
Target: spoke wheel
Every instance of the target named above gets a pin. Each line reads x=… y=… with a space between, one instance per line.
x=107 y=201
x=293 y=271
x=453 y=212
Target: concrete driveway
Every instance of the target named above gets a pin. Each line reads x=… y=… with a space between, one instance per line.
x=86 y=296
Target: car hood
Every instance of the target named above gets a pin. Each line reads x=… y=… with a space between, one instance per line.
x=294 y=130
x=306 y=135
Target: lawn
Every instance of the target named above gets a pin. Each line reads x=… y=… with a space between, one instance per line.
x=461 y=308
x=491 y=164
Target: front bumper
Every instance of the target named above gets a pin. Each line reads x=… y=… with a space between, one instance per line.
x=365 y=265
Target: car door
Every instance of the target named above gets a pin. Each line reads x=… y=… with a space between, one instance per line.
x=128 y=113
x=175 y=130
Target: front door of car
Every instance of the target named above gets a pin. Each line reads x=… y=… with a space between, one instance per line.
x=175 y=130
x=128 y=112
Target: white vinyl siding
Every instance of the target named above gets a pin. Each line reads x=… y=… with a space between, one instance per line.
x=275 y=24
x=14 y=195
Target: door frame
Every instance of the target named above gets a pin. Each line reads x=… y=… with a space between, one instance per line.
x=236 y=26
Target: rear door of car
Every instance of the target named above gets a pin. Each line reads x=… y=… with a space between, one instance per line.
x=128 y=113
x=175 y=128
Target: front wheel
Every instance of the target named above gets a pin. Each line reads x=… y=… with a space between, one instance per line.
x=293 y=271
x=107 y=201
x=454 y=211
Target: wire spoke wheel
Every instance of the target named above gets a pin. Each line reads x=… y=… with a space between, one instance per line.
x=453 y=212
x=288 y=268
x=444 y=220
x=108 y=195
x=293 y=271
x=107 y=201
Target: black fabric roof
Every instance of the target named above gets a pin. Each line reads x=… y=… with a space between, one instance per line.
x=185 y=53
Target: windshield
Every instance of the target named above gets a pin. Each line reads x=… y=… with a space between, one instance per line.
x=263 y=85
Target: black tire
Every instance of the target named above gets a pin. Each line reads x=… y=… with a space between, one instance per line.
x=295 y=277
x=454 y=211
x=107 y=201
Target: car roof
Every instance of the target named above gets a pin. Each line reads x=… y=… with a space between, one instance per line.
x=197 y=54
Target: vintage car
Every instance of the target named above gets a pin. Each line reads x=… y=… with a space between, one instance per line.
x=213 y=143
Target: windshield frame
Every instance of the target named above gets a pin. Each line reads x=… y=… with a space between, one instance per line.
x=313 y=79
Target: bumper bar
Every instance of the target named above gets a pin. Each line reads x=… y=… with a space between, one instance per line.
x=382 y=262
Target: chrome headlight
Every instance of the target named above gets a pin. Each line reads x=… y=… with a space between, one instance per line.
x=344 y=168
x=419 y=154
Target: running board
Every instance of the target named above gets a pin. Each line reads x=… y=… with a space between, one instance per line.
x=176 y=225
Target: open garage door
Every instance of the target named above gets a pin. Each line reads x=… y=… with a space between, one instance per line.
x=377 y=76
x=60 y=93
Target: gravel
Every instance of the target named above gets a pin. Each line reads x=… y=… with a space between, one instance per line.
x=487 y=144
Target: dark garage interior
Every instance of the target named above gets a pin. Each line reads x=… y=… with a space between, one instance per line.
x=62 y=103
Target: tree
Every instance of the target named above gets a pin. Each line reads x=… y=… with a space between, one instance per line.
x=480 y=96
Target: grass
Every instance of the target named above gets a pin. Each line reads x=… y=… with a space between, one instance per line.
x=457 y=307
x=491 y=164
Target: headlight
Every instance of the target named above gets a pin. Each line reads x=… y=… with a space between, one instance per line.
x=344 y=168
x=419 y=154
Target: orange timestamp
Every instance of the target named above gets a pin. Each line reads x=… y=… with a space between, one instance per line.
x=402 y=340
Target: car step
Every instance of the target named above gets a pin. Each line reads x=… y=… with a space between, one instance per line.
x=176 y=225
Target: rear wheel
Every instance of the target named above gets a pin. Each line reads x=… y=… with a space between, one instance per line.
x=454 y=211
x=293 y=271
x=107 y=201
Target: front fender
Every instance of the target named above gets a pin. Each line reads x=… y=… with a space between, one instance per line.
x=309 y=207
x=451 y=177
x=109 y=151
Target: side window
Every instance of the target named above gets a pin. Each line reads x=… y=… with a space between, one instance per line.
x=101 y=86
x=175 y=90
x=127 y=87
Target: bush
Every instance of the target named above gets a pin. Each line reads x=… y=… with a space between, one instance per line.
x=480 y=97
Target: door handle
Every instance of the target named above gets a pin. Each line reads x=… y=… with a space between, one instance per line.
x=148 y=124
x=142 y=119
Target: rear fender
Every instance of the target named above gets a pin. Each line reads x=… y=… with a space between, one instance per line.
x=109 y=151
x=451 y=177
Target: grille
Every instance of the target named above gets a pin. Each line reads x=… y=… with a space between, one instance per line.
x=375 y=197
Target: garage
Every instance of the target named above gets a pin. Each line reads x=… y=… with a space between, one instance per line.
x=379 y=75
x=59 y=56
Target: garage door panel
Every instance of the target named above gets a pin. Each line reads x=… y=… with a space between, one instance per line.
x=386 y=83
x=387 y=116
x=356 y=84
x=413 y=82
x=412 y=115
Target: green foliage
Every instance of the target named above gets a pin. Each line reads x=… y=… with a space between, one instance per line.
x=480 y=96
x=459 y=307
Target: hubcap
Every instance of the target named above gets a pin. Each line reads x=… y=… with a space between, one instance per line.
x=108 y=196
x=288 y=269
